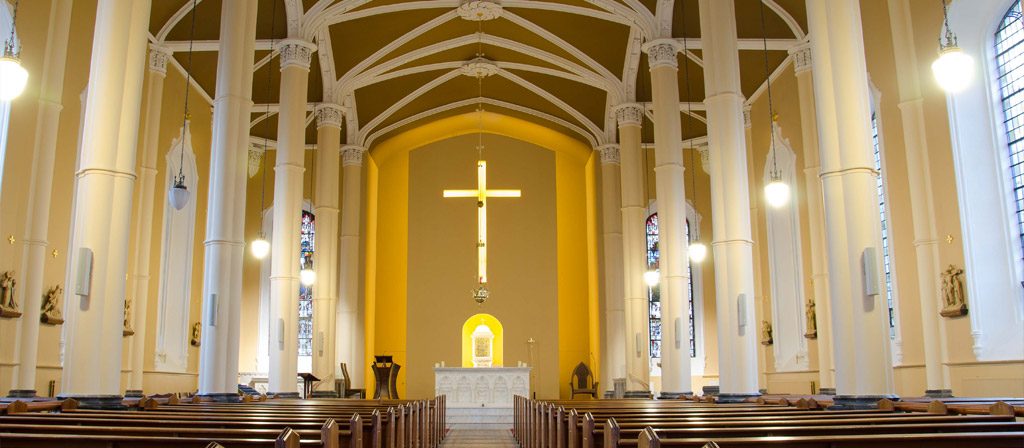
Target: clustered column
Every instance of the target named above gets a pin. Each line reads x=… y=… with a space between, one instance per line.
x=325 y=207
x=37 y=220
x=614 y=358
x=350 y=326
x=225 y=221
x=288 y=174
x=802 y=63
x=672 y=243
x=730 y=203
x=139 y=280
x=629 y=117
x=860 y=326
x=102 y=207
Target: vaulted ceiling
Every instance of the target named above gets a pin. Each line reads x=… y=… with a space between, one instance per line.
x=396 y=64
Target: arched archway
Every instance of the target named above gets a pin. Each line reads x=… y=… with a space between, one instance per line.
x=494 y=325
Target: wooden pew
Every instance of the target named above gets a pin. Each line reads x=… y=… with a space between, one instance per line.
x=650 y=439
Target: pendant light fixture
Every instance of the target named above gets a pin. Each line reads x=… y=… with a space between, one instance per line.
x=260 y=247
x=954 y=69
x=307 y=276
x=480 y=293
x=776 y=193
x=697 y=251
x=179 y=194
x=13 y=76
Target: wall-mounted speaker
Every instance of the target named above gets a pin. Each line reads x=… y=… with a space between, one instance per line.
x=83 y=279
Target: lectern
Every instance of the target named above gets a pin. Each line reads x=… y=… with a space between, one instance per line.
x=307 y=384
x=385 y=371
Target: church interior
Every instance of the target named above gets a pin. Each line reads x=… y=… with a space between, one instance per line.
x=689 y=215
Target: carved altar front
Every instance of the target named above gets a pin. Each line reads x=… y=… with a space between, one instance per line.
x=489 y=387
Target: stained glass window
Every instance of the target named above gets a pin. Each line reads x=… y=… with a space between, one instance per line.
x=654 y=294
x=1010 y=69
x=886 y=250
x=306 y=249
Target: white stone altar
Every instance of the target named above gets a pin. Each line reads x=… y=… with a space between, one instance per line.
x=481 y=398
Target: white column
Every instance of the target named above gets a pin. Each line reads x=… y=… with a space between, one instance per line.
x=614 y=355
x=730 y=203
x=802 y=63
x=860 y=326
x=328 y=165
x=139 y=280
x=349 y=338
x=94 y=312
x=37 y=220
x=225 y=218
x=288 y=175
x=672 y=243
x=634 y=246
x=922 y=201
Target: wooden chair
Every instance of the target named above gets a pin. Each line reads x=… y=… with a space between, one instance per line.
x=344 y=386
x=582 y=381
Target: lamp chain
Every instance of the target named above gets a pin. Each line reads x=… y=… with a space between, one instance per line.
x=263 y=160
x=480 y=93
x=689 y=108
x=9 y=45
x=771 y=108
x=950 y=37
x=179 y=181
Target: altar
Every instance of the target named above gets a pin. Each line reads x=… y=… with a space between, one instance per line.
x=481 y=397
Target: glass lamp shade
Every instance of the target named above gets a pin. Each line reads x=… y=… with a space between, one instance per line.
x=13 y=77
x=307 y=277
x=953 y=70
x=776 y=193
x=652 y=278
x=178 y=196
x=260 y=248
x=698 y=252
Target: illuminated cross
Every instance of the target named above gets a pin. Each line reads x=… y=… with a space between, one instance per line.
x=481 y=194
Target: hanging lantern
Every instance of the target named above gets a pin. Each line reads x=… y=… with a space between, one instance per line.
x=954 y=69
x=307 y=277
x=13 y=76
x=179 y=194
x=260 y=247
x=776 y=193
x=652 y=278
x=698 y=252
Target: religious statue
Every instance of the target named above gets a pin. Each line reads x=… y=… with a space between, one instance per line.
x=954 y=298
x=766 y=333
x=128 y=330
x=8 y=306
x=197 y=329
x=812 y=320
x=50 y=311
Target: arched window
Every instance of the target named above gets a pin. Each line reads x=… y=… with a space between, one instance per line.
x=1010 y=72
x=654 y=299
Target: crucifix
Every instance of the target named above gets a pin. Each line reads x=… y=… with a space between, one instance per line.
x=481 y=194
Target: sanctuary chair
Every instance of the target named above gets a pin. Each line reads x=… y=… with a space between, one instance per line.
x=344 y=385
x=582 y=381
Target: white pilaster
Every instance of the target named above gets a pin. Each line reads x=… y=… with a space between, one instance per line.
x=325 y=207
x=139 y=279
x=37 y=220
x=350 y=323
x=225 y=218
x=289 y=169
x=672 y=243
x=802 y=61
x=922 y=201
x=614 y=354
x=730 y=203
x=102 y=210
x=860 y=328
x=634 y=246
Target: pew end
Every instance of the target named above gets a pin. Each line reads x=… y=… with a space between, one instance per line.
x=648 y=439
x=329 y=434
x=288 y=439
x=611 y=433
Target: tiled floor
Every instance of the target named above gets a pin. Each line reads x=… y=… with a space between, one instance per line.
x=480 y=438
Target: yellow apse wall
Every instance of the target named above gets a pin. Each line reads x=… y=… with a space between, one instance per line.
x=387 y=319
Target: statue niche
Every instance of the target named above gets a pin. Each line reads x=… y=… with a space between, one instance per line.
x=50 y=311
x=8 y=306
x=954 y=296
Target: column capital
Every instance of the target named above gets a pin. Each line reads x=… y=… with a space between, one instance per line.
x=801 y=57
x=705 y=157
x=328 y=115
x=352 y=155
x=629 y=113
x=609 y=154
x=662 y=53
x=296 y=52
x=158 y=57
x=746 y=117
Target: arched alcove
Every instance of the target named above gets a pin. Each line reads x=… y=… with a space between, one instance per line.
x=491 y=323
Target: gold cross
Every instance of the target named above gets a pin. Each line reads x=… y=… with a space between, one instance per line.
x=11 y=239
x=949 y=239
x=54 y=253
x=481 y=194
